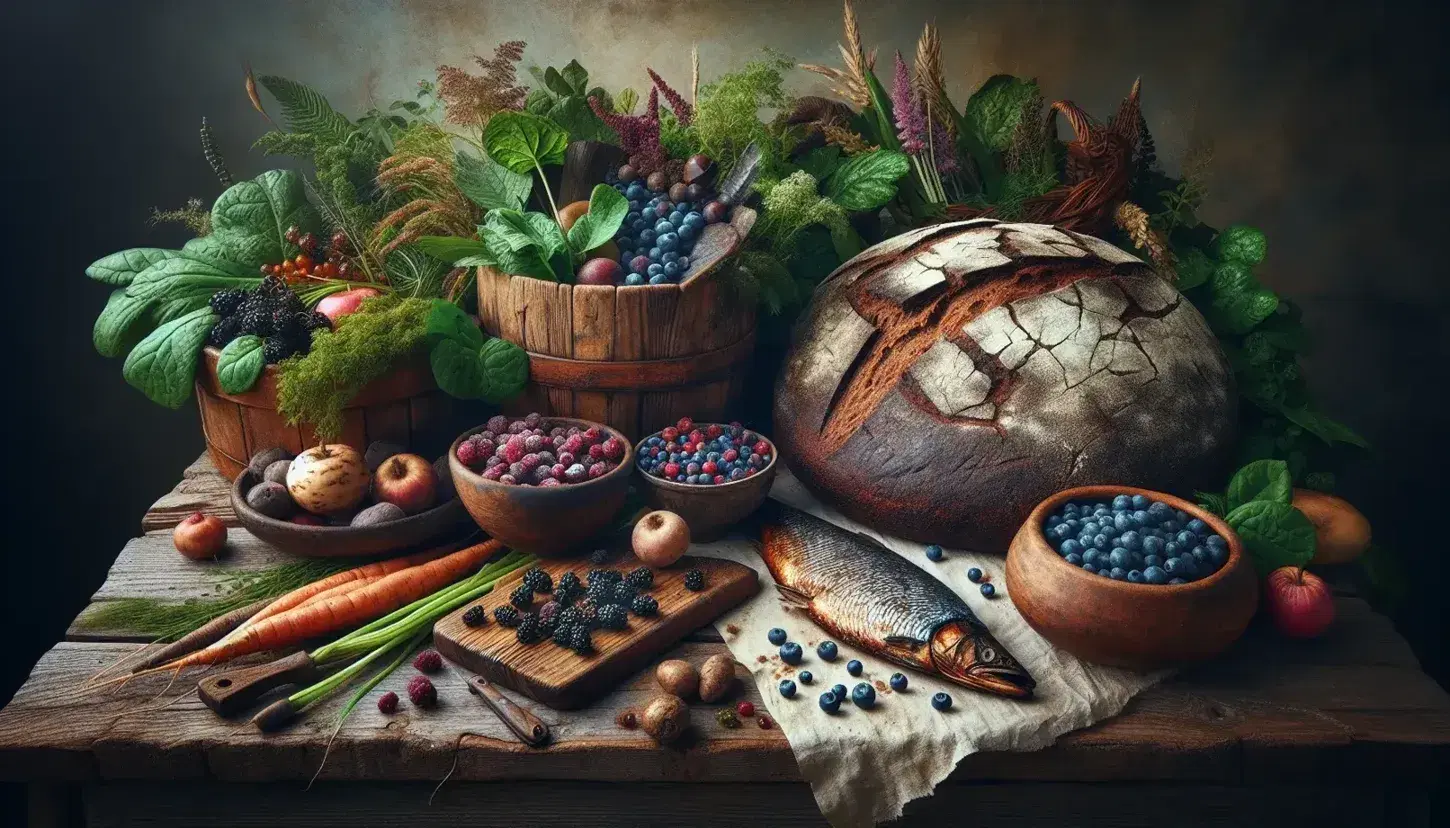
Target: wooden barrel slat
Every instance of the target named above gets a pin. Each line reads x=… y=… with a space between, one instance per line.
x=636 y=358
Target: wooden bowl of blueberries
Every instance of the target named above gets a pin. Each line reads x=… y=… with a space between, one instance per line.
x=542 y=485
x=1131 y=578
x=711 y=474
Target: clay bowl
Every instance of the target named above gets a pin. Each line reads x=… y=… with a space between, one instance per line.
x=335 y=541
x=550 y=522
x=1138 y=626
x=710 y=511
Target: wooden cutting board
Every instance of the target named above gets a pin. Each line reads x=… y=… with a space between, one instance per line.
x=565 y=680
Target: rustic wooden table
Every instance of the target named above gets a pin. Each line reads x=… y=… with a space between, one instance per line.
x=1342 y=728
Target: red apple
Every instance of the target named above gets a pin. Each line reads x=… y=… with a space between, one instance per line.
x=1299 y=602
x=338 y=305
x=200 y=536
x=660 y=538
x=406 y=481
x=599 y=271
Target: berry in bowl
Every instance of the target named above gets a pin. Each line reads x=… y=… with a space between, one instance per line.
x=1131 y=578
x=668 y=212
x=543 y=485
x=710 y=474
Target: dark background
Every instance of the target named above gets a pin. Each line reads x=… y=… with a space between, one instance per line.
x=1329 y=128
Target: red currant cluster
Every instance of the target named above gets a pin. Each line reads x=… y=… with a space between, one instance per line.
x=314 y=261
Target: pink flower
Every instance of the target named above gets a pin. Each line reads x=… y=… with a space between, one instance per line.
x=944 y=152
x=910 y=119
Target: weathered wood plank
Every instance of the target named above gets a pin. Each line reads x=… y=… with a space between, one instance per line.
x=202 y=489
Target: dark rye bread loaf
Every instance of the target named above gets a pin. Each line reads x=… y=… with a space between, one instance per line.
x=945 y=381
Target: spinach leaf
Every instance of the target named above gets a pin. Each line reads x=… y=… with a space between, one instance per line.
x=177 y=286
x=120 y=268
x=867 y=181
x=250 y=218
x=447 y=321
x=523 y=142
x=1239 y=301
x=1212 y=501
x=163 y=365
x=822 y=161
x=576 y=76
x=556 y=82
x=539 y=101
x=1261 y=480
x=454 y=249
x=1275 y=534
x=996 y=107
x=1194 y=268
x=116 y=329
x=574 y=116
x=489 y=184
x=607 y=209
x=240 y=364
x=1330 y=431
x=1241 y=243
x=517 y=231
x=495 y=372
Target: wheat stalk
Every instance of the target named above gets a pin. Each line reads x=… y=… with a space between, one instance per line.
x=695 y=73
x=850 y=142
x=929 y=80
x=849 y=83
x=1134 y=221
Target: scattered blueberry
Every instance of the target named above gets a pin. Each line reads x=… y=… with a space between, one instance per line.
x=806 y=677
x=854 y=667
x=974 y=575
x=941 y=701
x=898 y=681
x=988 y=590
x=787 y=688
x=839 y=690
x=863 y=696
x=827 y=650
x=933 y=553
x=790 y=652
x=777 y=636
x=830 y=702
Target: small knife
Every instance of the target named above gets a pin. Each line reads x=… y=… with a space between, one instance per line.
x=528 y=727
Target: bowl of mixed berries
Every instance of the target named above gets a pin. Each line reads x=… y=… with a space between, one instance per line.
x=543 y=485
x=711 y=474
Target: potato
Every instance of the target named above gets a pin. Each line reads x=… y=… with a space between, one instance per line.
x=1341 y=532
x=328 y=479
x=666 y=718
x=716 y=678
x=678 y=678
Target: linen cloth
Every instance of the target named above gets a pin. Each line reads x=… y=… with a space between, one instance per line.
x=865 y=765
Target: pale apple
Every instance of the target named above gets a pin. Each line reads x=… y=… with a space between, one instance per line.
x=338 y=305
x=406 y=481
x=660 y=538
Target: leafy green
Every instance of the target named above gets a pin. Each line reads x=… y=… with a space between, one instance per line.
x=867 y=181
x=456 y=250
x=250 y=218
x=240 y=364
x=728 y=117
x=575 y=77
x=524 y=143
x=447 y=321
x=1213 y=502
x=1274 y=533
x=607 y=209
x=468 y=366
x=1239 y=301
x=1326 y=429
x=564 y=99
x=176 y=286
x=163 y=365
x=523 y=243
x=995 y=108
x=1261 y=480
x=489 y=184
x=117 y=329
x=1194 y=268
x=821 y=162
x=304 y=109
x=1241 y=243
x=120 y=268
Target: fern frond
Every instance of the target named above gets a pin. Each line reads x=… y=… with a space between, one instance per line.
x=304 y=109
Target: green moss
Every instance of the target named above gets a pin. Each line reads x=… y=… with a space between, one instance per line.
x=315 y=388
x=678 y=141
x=792 y=205
x=728 y=115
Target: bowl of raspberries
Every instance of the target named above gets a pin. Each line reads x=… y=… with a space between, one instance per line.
x=543 y=485
x=711 y=474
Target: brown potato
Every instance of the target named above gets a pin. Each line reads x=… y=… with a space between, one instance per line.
x=678 y=678
x=716 y=678
x=1341 y=532
x=666 y=718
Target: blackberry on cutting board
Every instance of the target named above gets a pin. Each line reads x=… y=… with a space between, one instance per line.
x=538 y=580
x=529 y=631
x=641 y=579
x=613 y=617
x=564 y=634
x=522 y=597
x=506 y=616
x=645 y=606
x=604 y=576
x=694 y=580
x=623 y=594
x=568 y=617
x=581 y=642
x=475 y=616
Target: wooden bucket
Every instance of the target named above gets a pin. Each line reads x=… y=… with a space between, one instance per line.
x=634 y=358
x=405 y=407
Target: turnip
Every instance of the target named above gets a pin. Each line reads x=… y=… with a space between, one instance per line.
x=328 y=479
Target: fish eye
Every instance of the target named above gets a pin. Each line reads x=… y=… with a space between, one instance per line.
x=987 y=654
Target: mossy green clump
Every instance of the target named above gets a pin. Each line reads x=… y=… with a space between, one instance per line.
x=728 y=115
x=791 y=206
x=366 y=345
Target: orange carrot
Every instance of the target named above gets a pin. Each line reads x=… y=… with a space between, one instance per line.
x=298 y=596
x=346 y=609
x=341 y=588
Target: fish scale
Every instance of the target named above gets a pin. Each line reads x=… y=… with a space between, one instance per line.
x=872 y=598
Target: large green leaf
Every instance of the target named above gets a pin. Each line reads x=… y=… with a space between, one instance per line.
x=489 y=184
x=240 y=364
x=521 y=141
x=119 y=327
x=304 y=109
x=495 y=372
x=1239 y=301
x=250 y=218
x=1275 y=534
x=120 y=268
x=995 y=109
x=1326 y=429
x=175 y=287
x=447 y=321
x=505 y=370
x=867 y=181
x=607 y=209
x=1194 y=268
x=576 y=76
x=556 y=82
x=454 y=249
x=1241 y=243
x=1261 y=480
x=163 y=365
x=573 y=115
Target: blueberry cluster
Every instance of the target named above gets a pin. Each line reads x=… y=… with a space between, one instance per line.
x=660 y=231
x=1136 y=539
x=704 y=456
